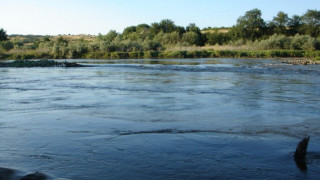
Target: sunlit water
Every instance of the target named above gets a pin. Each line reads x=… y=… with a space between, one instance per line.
x=161 y=119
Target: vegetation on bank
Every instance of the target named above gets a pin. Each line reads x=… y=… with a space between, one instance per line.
x=180 y=54
x=253 y=37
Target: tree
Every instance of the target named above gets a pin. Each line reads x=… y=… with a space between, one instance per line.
x=167 y=26
x=143 y=32
x=127 y=31
x=193 y=28
x=181 y=30
x=142 y=27
x=217 y=37
x=171 y=38
x=251 y=26
x=155 y=29
x=294 y=25
x=280 y=23
x=110 y=36
x=311 y=21
x=3 y=35
x=191 y=38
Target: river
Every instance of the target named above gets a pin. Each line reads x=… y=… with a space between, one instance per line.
x=161 y=119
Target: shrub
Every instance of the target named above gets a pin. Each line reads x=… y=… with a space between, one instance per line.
x=6 y=45
x=305 y=42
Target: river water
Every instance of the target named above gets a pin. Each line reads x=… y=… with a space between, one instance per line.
x=161 y=119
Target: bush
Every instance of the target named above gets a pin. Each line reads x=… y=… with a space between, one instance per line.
x=6 y=45
x=305 y=42
x=275 y=42
x=191 y=38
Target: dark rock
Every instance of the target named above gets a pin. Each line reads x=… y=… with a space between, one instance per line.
x=301 y=149
x=6 y=173
x=300 y=154
x=35 y=176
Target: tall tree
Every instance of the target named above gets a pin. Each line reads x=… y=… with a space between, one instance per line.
x=181 y=30
x=311 y=20
x=294 y=25
x=3 y=35
x=143 y=27
x=280 y=23
x=251 y=26
x=167 y=26
x=110 y=36
x=191 y=38
x=128 y=30
x=155 y=29
x=193 y=28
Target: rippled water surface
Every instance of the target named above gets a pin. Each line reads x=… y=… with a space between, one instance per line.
x=161 y=119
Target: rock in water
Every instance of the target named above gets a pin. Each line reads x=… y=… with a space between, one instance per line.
x=301 y=150
x=6 y=173
x=35 y=176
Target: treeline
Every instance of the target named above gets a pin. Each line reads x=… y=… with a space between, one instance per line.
x=252 y=33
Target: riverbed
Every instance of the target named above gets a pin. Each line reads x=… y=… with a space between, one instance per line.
x=161 y=119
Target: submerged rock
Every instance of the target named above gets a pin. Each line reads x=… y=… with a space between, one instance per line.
x=35 y=176
x=11 y=174
x=38 y=63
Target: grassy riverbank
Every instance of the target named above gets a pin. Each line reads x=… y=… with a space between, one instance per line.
x=172 y=54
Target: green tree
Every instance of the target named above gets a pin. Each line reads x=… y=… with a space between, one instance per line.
x=3 y=35
x=143 y=32
x=171 y=38
x=155 y=29
x=167 y=26
x=294 y=25
x=181 y=30
x=110 y=36
x=142 y=27
x=216 y=37
x=251 y=26
x=280 y=23
x=191 y=38
x=127 y=31
x=311 y=20
x=193 y=28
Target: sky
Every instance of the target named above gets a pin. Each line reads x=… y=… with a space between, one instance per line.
x=53 y=17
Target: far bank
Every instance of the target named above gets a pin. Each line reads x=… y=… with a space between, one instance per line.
x=310 y=56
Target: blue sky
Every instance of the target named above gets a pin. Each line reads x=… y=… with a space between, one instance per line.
x=52 y=17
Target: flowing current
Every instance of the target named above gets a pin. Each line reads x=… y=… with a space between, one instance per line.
x=161 y=119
